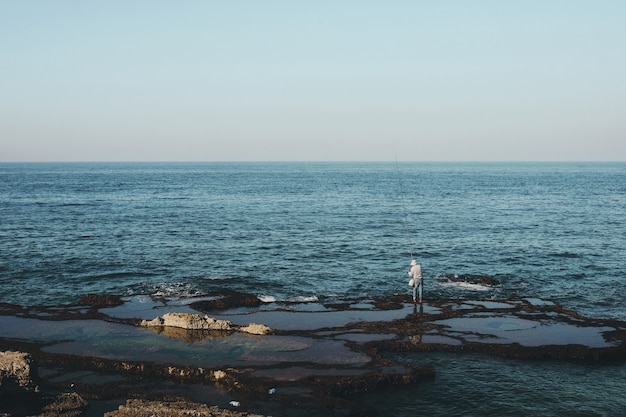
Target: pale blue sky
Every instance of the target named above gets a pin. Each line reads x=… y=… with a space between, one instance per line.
x=124 y=80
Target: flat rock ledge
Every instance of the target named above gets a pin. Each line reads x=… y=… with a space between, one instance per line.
x=315 y=359
x=189 y=321
x=142 y=408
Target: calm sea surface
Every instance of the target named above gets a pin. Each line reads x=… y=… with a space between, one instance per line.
x=306 y=231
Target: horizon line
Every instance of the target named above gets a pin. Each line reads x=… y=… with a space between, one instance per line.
x=304 y=161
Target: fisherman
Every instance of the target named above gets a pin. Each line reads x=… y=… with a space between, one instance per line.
x=416 y=280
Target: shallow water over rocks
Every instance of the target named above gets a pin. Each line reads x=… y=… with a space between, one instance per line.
x=315 y=352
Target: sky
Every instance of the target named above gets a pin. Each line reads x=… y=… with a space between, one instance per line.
x=265 y=80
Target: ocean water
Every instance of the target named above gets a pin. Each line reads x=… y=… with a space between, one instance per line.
x=311 y=231
x=290 y=231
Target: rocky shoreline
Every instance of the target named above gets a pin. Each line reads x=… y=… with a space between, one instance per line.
x=303 y=359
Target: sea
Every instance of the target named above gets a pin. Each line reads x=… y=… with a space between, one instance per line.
x=314 y=231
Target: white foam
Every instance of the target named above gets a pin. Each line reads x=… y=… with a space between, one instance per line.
x=298 y=299
x=218 y=277
x=266 y=298
x=175 y=290
x=303 y=299
x=466 y=286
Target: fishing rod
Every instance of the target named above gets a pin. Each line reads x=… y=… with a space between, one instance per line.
x=417 y=287
x=406 y=217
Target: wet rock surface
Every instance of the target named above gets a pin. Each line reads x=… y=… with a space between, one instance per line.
x=142 y=408
x=225 y=300
x=97 y=300
x=304 y=359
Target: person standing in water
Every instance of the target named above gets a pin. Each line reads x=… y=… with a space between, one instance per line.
x=416 y=276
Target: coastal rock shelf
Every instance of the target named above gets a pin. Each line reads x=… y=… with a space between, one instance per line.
x=306 y=355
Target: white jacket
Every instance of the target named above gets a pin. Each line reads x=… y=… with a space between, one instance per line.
x=416 y=273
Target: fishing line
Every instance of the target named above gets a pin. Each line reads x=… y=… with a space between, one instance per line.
x=406 y=217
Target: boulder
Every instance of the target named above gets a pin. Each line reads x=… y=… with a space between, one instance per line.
x=17 y=370
x=68 y=404
x=254 y=328
x=188 y=321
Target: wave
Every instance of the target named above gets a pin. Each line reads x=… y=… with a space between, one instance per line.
x=468 y=282
x=166 y=290
x=115 y=275
x=218 y=277
x=564 y=255
x=466 y=286
x=483 y=280
x=267 y=298
x=297 y=299
x=81 y=204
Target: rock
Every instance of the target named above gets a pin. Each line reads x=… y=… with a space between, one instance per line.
x=65 y=405
x=484 y=280
x=141 y=408
x=188 y=321
x=97 y=300
x=17 y=371
x=254 y=328
x=20 y=396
